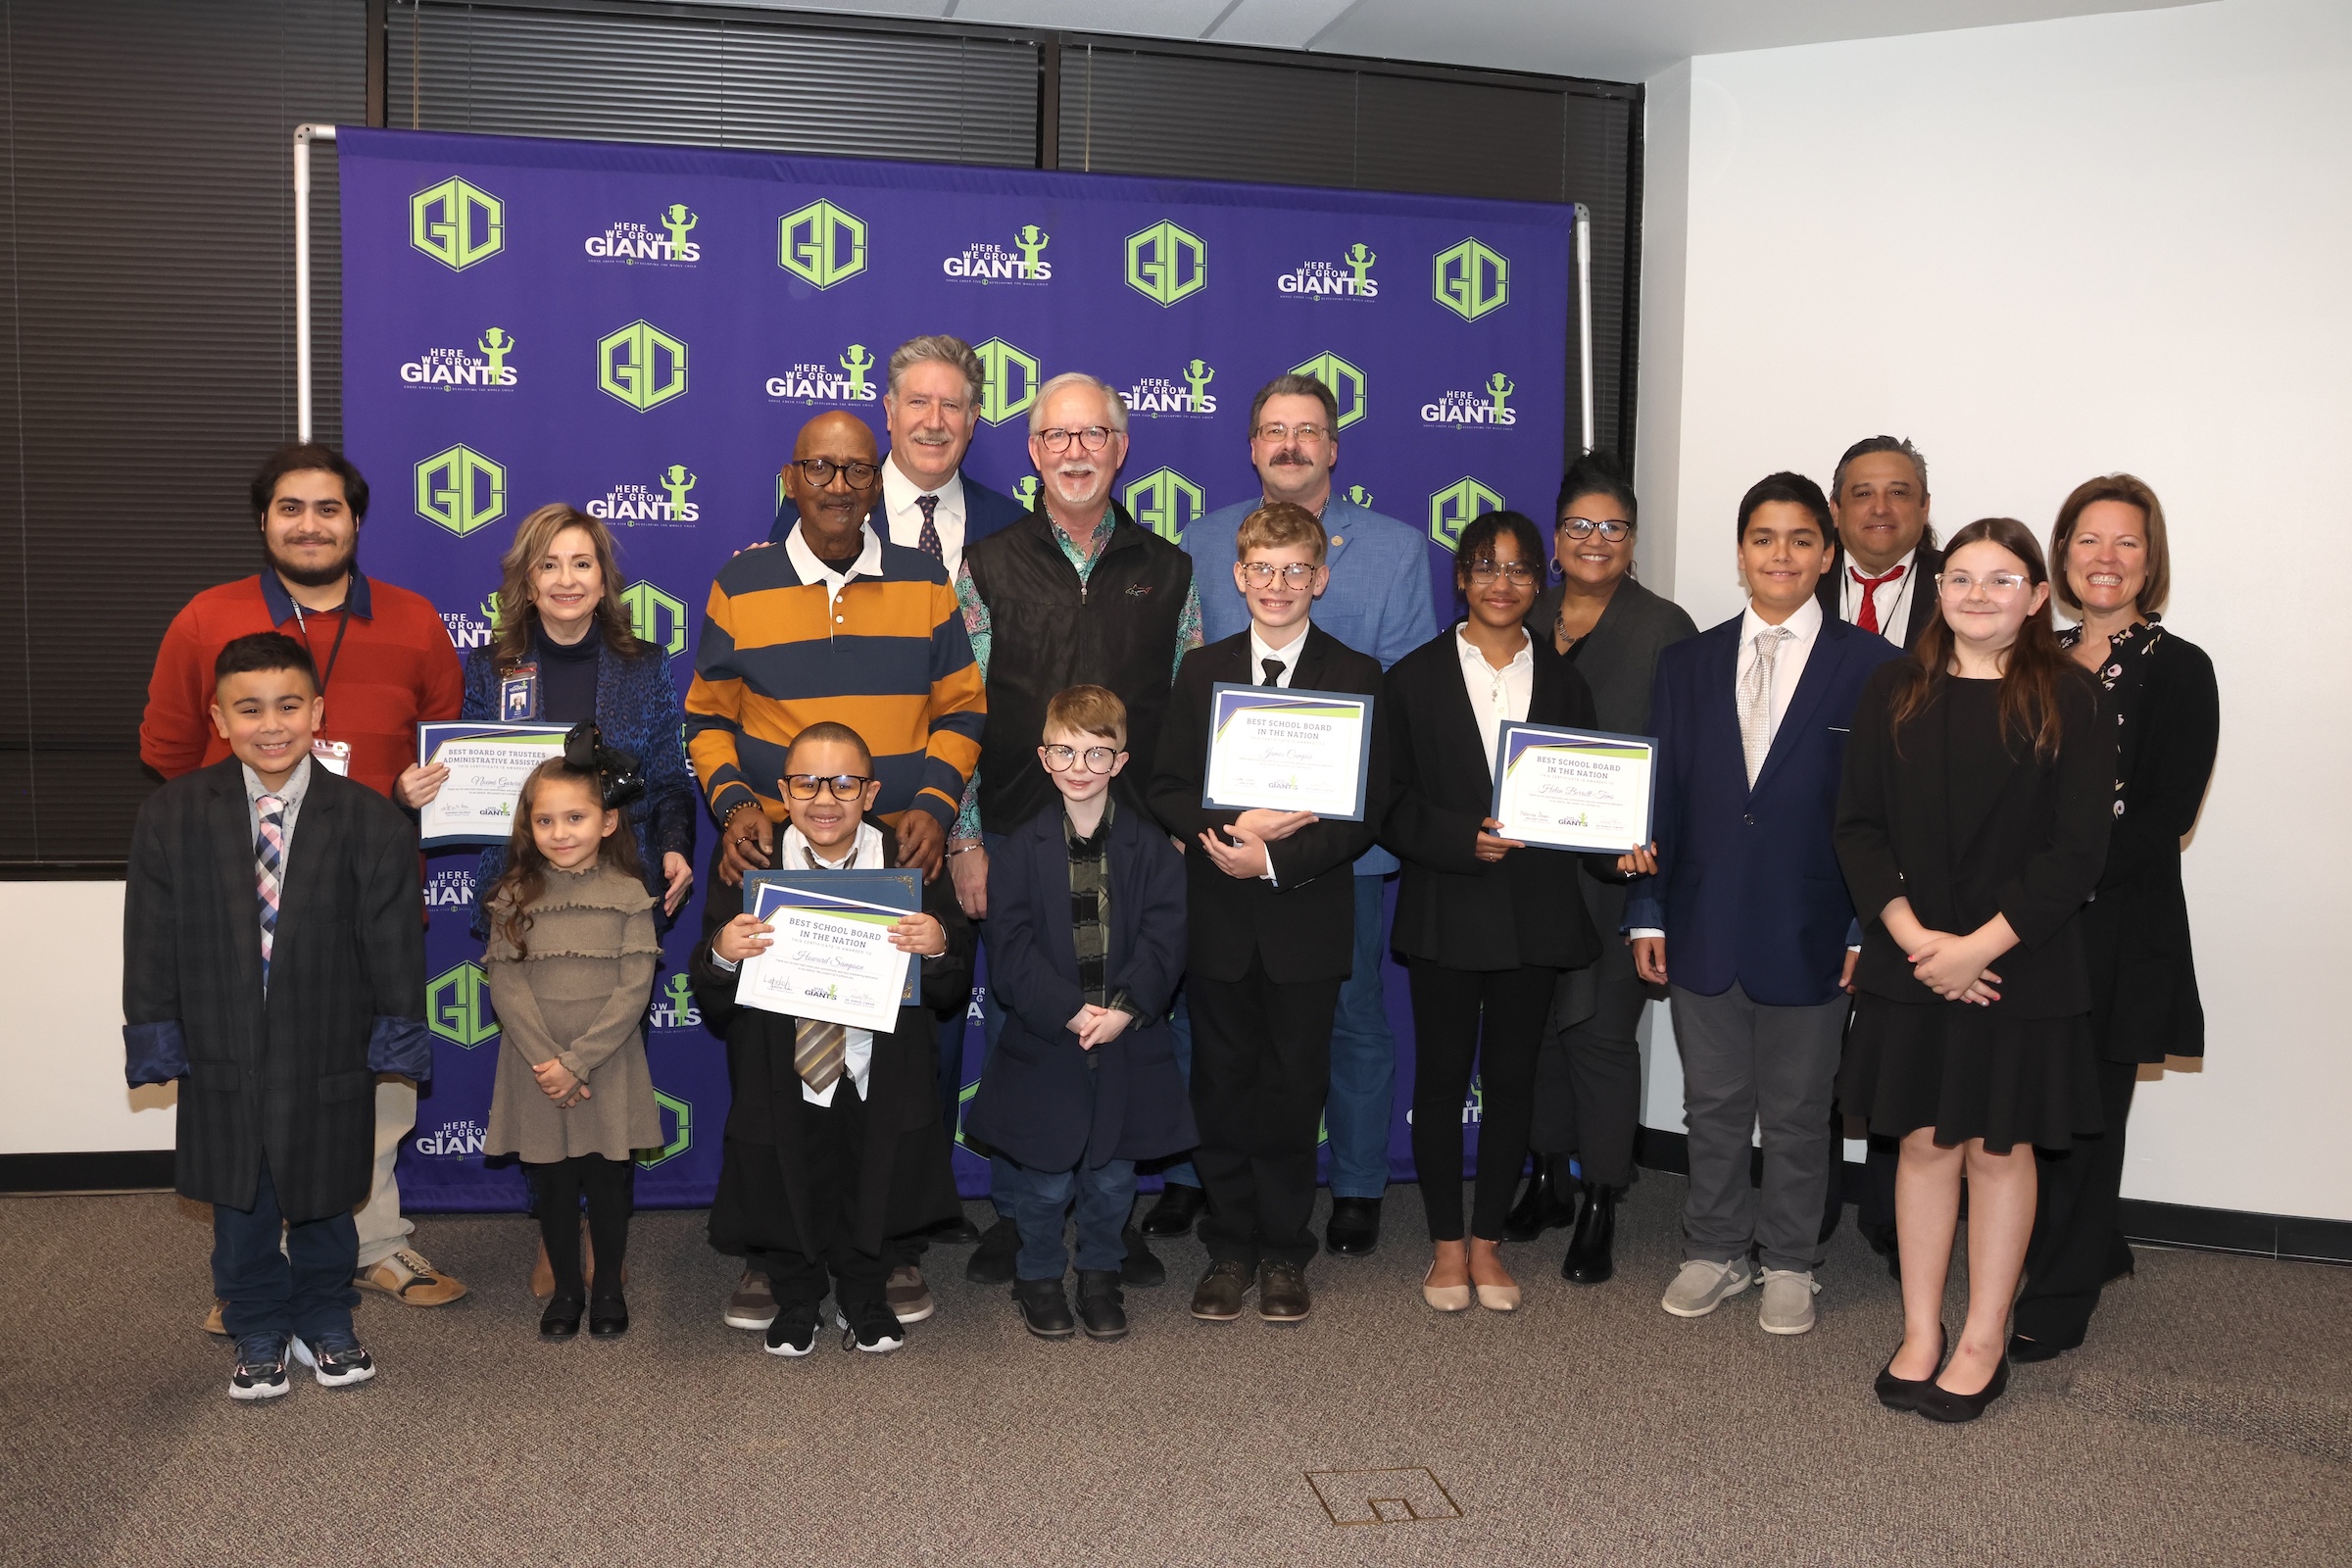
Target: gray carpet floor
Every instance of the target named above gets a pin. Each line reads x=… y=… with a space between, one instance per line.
x=2208 y=1421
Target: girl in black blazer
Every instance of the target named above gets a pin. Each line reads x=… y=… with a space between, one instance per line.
x=1972 y=825
x=1485 y=925
x=2109 y=564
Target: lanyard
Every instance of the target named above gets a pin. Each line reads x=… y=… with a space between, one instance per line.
x=342 y=627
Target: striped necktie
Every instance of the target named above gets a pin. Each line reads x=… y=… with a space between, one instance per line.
x=928 y=540
x=269 y=860
x=820 y=1048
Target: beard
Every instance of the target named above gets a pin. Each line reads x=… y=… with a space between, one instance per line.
x=333 y=572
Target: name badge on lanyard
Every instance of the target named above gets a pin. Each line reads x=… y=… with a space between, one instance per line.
x=518 y=695
x=333 y=756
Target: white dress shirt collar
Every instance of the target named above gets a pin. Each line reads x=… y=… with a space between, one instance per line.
x=1789 y=661
x=866 y=854
x=1288 y=654
x=904 y=519
x=1894 y=598
x=814 y=571
x=1497 y=696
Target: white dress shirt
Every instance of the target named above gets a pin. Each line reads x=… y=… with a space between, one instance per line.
x=1788 y=662
x=1893 y=597
x=1497 y=696
x=904 y=519
x=1287 y=655
x=805 y=561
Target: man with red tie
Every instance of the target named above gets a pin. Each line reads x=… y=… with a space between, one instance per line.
x=1883 y=581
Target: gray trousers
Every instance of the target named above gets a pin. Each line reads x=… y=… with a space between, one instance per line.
x=1747 y=1066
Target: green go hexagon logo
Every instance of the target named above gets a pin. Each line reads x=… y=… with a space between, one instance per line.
x=460 y=490
x=1164 y=502
x=456 y=1006
x=657 y=619
x=457 y=223
x=1010 y=386
x=641 y=364
x=1166 y=264
x=1452 y=509
x=1470 y=280
x=1345 y=381
x=681 y=1116
x=821 y=244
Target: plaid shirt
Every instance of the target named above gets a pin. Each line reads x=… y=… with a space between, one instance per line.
x=1090 y=912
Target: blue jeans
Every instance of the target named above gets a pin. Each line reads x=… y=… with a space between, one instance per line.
x=1037 y=1200
x=1363 y=1061
x=304 y=1291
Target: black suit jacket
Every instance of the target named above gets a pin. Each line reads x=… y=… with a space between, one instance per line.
x=292 y=1076
x=985 y=511
x=1304 y=923
x=1927 y=563
x=1453 y=908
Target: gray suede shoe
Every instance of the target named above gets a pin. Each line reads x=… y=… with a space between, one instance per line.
x=1787 y=1306
x=1703 y=1287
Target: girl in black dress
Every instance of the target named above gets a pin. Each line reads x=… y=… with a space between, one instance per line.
x=2109 y=564
x=1974 y=822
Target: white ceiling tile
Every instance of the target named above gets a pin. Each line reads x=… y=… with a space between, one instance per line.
x=1142 y=19
x=1277 y=23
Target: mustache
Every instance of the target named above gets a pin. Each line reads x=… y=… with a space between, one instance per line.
x=1291 y=457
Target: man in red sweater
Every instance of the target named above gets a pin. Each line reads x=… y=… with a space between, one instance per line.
x=384 y=663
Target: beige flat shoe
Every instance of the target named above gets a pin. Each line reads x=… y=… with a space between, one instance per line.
x=1443 y=1297
x=1499 y=1298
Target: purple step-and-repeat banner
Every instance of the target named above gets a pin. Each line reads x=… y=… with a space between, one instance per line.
x=641 y=330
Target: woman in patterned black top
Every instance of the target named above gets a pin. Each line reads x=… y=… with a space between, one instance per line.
x=2109 y=565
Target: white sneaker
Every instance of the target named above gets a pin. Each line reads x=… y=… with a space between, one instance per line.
x=1703 y=1287
x=1787 y=1305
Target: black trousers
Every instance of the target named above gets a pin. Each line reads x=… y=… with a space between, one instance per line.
x=1587 y=1091
x=1874 y=1204
x=609 y=1187
x=1261 y=1065
x=1493 y=1018
x=833 y=1153
x=2078 y=1243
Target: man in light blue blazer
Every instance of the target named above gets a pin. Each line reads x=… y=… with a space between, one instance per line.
x=1380 y=604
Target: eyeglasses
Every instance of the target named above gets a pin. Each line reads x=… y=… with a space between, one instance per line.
x=1998 y=585
x=1582 y=528
x=1519 y=572
x=805 y=786
x=1287 y=432
x=1261 y=573
x=820 y=472
x=1093 y=438
x=1098 y=757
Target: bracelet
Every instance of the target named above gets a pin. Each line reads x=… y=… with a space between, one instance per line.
x=966 y=849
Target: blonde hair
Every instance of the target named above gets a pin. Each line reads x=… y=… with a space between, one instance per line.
x=1278 y=525
x=1089 y=710
x=534 y=536
x=2132 y=492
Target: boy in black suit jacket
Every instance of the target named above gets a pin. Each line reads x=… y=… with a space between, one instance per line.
x=1086 y=933
x=1272 y=917
x=835 y=1157
x=277 y=984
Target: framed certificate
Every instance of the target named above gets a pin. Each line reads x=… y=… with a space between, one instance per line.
x=831 y=957
x=1287 y=751
x=1574 y=789
x=487 y=764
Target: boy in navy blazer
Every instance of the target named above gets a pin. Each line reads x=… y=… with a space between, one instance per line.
x=1752 y=721
x=1086 y=944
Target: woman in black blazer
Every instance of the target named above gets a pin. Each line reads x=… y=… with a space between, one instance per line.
x=1972 y=827
x=1484 y=925
x=2109 y=564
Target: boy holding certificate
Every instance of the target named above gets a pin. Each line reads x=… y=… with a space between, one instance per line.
x=1086 y=933
x=834 y=1156
x=1271 y=911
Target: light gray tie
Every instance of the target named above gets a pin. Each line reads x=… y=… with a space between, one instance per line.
x=1755 y=700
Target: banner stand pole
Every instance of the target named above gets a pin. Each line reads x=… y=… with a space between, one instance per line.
x=304 y=135
x=1584 y=312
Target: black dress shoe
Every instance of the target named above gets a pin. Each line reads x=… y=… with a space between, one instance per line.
x=1546 y=1203
x=607 y=1318
x=1354 y=1228
x=1218 y=1297
x=960 y=1232
x=1282 y=1294
x=1139 y=1267
x=1939 y=1404
x=1178 y=1207
x=2022 y=1348
x=1903 y=1394
x=1102 y=1310
x=562 y=1319
x=991 y=1262
x=1043 y=1308
x=1591 y=1255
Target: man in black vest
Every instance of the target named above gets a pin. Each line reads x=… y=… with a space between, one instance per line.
x=1073 y=594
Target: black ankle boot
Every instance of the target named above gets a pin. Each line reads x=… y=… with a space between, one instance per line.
x=1591 y=1255
x=1548 y=1201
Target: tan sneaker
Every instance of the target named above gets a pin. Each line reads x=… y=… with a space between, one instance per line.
x=408 y=1279
x=212 y=1319
x=754 y=1304
x=906 y=1295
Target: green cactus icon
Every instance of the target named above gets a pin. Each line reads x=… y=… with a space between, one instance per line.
x=1197 y=376
x=1024 y=490
x=678 y=479
x=497 y=345
x=679 y=219
x=1032 y=240
x=1499 y=388
x=857 y=359
x=1360 y=260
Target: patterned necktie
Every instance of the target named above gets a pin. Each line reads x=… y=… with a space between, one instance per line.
x=1755 y=700
x=269 y=856
x=1867 y=619
x=928 y=540
x=818 y=1049
x=1273 y=669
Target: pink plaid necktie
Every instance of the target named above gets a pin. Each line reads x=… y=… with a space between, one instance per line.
x=270 y=856
x=928 y=540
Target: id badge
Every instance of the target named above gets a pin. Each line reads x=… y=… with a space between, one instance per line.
x=333 y=756
x=518 y=695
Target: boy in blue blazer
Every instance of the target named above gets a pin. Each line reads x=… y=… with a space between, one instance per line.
x=1751 y=721
x=1086 y=944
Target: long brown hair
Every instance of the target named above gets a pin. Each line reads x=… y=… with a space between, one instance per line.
x=2030 y=669
x=518 y=618
x=524 y=879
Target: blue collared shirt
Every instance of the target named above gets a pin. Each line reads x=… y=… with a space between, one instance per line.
x=281 y=603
